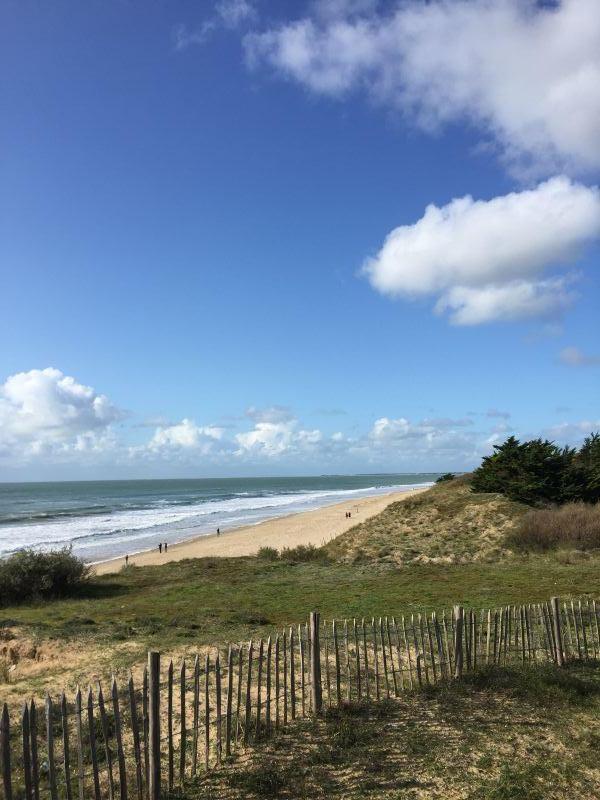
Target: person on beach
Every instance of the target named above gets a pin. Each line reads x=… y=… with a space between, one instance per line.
x=160 y=547
x=166 y=545
x=126 y=560
x=218 y=531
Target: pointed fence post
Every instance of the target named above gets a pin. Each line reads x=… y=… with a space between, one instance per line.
x=558 y=638
x=5 y=753
x=154 y=724
x=315 y=664
x=458 y=641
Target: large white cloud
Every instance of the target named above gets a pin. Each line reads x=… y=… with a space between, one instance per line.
x=484 y=258
x=44 y=411
x=525 y=73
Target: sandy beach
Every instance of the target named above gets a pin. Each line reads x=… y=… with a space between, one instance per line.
x=308 y=527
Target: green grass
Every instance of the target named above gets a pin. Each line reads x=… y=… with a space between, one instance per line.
x=217 y=600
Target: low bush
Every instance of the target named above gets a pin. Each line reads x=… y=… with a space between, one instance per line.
x=303 y=552
x=268 y=554
x=33 y=575
x=572 y=526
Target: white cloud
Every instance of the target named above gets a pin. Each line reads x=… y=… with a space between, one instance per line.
x=277 y=439
x=571 y=433
x=185 y=435
x=574 y=357
x=228 y=14
x=46 y=412
x=234 y=12
x=527 y=74
x=273 y=414
x=483 y=258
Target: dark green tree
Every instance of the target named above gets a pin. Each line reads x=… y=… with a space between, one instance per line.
x=531 y=472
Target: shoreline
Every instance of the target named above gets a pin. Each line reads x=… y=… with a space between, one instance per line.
x=315 y=527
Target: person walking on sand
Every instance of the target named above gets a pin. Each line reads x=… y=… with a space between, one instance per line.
x=126 y=560
x=166 y=546
x=160 y=547
x=218 y=531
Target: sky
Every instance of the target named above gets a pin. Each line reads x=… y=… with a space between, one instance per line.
x=248 y=237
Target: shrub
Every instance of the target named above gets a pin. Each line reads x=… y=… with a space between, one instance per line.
x=268 y=554
x=573 y=525
x=31 y=574
x=539 y=472
x=447 y=476
x=303 y=552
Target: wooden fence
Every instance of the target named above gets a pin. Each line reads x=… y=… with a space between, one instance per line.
x=141 y=742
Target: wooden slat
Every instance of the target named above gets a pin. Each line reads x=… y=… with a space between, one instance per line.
x=218 y=708
x=376 y=659
x=327 y=665
x=408 y=654
x=195 y=715
x=259 y=676
x=35 y=763
x=292 y=674
x=277 y=685
x=79 y=737
x=135 y=731
x=238 y=703
x=154 y=752
x=229 y=707
x=431 y=650
x=365 y=658
x=357 y=659
x=347 y=662
x=207 y=712
x=302 y=671
x=119 y=741
x=384 y=658
x=336 y=655
x=93 y=744
x=107 y=747
x=268 y=688
x=398 y=652
x=170 y=749
x=5 y=753
x=146 y=731
x=66 y=750
x=285 y=678
x=248 y=715
x=26 y=741
x=182 y=723
x=50 y=748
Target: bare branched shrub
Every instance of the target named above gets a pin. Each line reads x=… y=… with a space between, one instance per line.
x=572 y=526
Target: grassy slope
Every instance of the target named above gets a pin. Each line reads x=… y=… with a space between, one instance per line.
x=502 y=734
x=179 y=607
x=450 y=524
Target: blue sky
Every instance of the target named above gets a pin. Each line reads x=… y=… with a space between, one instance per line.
x=190 y=192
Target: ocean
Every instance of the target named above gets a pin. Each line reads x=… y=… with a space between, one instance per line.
x=103 y=519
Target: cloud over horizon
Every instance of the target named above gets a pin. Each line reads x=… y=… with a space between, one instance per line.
x=47 y=417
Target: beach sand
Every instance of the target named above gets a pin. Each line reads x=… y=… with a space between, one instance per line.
x=307 y=527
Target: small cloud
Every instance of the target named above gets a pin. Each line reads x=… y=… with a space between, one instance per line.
x=183 y=37
x=234 y=12
x=271 y=414
x=574 y=357
x=229 y=14
x=330 y=412
x=494 y=413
